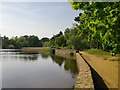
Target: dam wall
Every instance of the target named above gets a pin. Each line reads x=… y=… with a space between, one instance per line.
x=84 y=78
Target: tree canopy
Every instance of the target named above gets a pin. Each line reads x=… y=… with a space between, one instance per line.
x=99 y=24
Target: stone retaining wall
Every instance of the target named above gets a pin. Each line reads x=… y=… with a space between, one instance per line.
x=65 y=53
x=84 y=78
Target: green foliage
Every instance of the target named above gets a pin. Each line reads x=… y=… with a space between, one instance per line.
x=5 y=42
x=76 y=42
x=45 y=41
x=11 y=47
x=58 y=40
x=46 y=44
x=99 y=24
x=22 y=41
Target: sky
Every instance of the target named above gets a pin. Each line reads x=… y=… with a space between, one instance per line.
x=43 y=19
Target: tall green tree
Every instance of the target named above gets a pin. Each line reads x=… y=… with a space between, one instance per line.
x=60 y=41
x=5 y=42
x=100 y=21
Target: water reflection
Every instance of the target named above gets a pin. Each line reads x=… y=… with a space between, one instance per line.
x=28 y=56
x=58 y=60
x=69 y=64
x=45 y=56
x=34 y=70
x=17 y=54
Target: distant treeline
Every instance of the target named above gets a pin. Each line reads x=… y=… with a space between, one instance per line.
x=19 y=42
x=98 y=26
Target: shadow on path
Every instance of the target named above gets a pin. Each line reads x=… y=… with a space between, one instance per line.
x=97 y=79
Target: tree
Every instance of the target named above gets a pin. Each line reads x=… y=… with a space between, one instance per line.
x=100 y=20
x=5 y=42
x=55 y=41
x=44 y=41
x=60 y=41
x=33 y=41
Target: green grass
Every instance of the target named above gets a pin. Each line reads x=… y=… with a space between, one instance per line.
x=98 y=52
x=103 y=54
x=43 y=50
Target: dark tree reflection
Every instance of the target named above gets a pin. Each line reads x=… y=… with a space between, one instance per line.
x=69 y=64
x=44 y=55
x=29 y=57
x=58 y=60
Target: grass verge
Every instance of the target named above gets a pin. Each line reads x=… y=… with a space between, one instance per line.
x=103 y=54
x=43 y=50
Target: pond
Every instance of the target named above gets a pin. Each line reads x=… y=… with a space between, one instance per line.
x=35 y=70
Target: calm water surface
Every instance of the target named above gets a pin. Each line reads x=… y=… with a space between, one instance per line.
x=33 y=70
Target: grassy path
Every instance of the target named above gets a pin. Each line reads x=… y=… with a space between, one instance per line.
x=105 y=65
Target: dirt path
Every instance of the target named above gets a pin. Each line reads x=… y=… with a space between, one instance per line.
x=107 y=69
